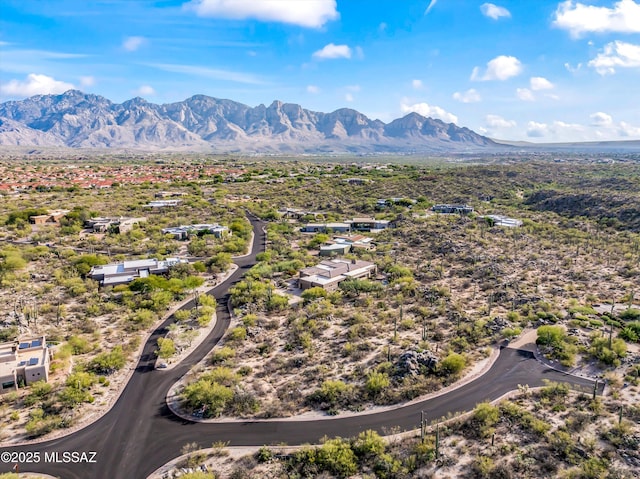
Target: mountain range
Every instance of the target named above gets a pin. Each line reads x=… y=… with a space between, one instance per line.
x=78 y=120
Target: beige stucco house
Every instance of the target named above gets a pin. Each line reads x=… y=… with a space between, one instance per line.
x=23 y=362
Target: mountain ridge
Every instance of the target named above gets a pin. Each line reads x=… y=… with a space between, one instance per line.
x=79 y=120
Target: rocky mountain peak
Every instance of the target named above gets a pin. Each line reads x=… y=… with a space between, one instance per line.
x=203 y=122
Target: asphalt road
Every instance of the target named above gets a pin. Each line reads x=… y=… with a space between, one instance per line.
x=140 y=434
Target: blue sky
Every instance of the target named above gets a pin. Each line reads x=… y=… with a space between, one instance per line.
x=533 y=70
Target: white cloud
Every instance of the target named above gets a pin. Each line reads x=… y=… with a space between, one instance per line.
x=601 y=119
x=145 y=90
x=307 y=13
x=313 y=89
x=469 y=96
x=540 y=83
x=616 y=55
x=206 y=72
x=626 y=130
x=333 y=51
x=382 y=27
x=348 y=97
x=579 y=18
x=131 y=44
x=431 y=5
x=500 y=68
x=416 y=84
x=87 y=81
x=35 y=84
x=355 y=88
x=537 y=130
x=525 y=94
x=571 y=69
x=359 y=53
x=427 y=110
x=494 y=11
x=558 y=131
x=496 y=121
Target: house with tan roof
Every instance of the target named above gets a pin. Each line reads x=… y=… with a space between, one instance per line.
x=329 y=274
x=23 y=362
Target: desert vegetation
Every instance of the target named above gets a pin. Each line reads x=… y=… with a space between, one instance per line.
x=446 y=290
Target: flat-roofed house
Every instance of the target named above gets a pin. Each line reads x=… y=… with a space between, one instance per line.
x=119 y=224
x=23 y=362
x=452 y=209
x=125 y=272
x=330 y=273
x=52 y=217
x=326 y=227
x=335 y=249
x=295 y=213
x=157 y=204
x=371 y=225
x=341 y=245
x=499 y=220
x=185 y=231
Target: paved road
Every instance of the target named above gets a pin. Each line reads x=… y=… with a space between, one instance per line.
x=139 y=434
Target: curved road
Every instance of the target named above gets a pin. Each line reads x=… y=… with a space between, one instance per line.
x=140 y=434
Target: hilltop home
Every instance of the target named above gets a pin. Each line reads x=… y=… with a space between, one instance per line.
x=325 y=227
x=499 y=220
x=330 y=273
x=356 y=181
x=119 y=224
x=123 y=273
x=296 y=214
x=52 y=217
x=452 y=209
x=169 y=194
x=341 y=245
x=23 y=363
x=162 y=204
x=185 y=231
x=384 y=203
x=370 y=225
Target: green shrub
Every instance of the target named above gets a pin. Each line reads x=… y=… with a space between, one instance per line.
x=222 y=354
x=377 y=382
x=452 y=365
x=238 y=333
x=108 y=363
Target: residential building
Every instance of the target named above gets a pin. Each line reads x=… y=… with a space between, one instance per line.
x=330 y=273
x=341 y=245
x=452 y=209
x=371 y=225
x=356 y=241
x=357 y=181
x=326 y=227
x=499 y=220
x=52 y=217
x=384 y=203
x=125 y=272
x=23 y=362
x=162 y=204
x=296 y=214
x=118 y=224
x=335 y=249
x=185 y=231
x=169 y=194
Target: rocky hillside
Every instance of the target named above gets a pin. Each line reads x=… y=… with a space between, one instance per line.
x=80 y=120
